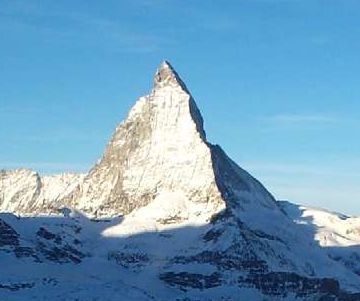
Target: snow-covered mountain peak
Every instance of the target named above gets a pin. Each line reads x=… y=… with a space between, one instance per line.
x=166 y=76
x=170 y=103
x=161 y=148
x=190 y=223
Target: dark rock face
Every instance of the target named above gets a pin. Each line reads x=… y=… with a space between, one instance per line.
x=17 y=286
x=129 y=260
x=54 y=248
x=45 y=234
x=63 y=254
x=231 y=179
x=22 y=251
x=224 y=261
x=10 y=242
x=283 y=283
x=8 y=236
x=347 y=297
x=47 y=246
x=212 y=235
x=186 y=280
x=170 y=220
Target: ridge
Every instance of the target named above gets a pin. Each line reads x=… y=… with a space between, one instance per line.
x=167 y=76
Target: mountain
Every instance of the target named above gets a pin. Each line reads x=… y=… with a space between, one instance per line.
x=166 y=215
x=25 y=192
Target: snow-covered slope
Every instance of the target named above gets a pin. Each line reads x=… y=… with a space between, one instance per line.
x=174 y=218
x=337 y=234
x=331 y=229
x=151 y=256
x=24 y=191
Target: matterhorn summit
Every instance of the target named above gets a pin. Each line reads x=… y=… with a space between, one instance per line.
x=166 y=215
x=161 y=148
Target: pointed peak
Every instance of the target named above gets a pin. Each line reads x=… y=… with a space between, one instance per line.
x=167 y=76
x=165 y=65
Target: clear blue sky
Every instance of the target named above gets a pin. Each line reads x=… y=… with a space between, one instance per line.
x=277 y=82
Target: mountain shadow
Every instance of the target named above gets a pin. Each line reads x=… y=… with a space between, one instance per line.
x=75 y=258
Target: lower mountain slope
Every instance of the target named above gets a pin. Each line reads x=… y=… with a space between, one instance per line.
x=155 y=253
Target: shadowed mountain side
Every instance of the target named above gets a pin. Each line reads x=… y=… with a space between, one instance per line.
x=191 y=263
x=233 y=181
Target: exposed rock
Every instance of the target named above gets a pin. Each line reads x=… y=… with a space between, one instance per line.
x=191 y=280
x=25 y=192
x=283 y=283
x=129 y=260
x=16 y=286
x=225 y=261
x=8 y=236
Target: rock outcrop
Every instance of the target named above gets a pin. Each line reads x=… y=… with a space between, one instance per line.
x=25 y=192
x=161 y=147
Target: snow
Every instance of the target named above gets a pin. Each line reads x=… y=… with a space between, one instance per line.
x=331 y=229
x=25 y=192
x=162 y=199
x=169 y=210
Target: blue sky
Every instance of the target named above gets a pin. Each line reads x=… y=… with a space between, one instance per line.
x=277 y=82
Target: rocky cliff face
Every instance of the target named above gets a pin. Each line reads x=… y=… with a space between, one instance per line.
x=193 y=225
x=25 y=192
x=160 y=148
